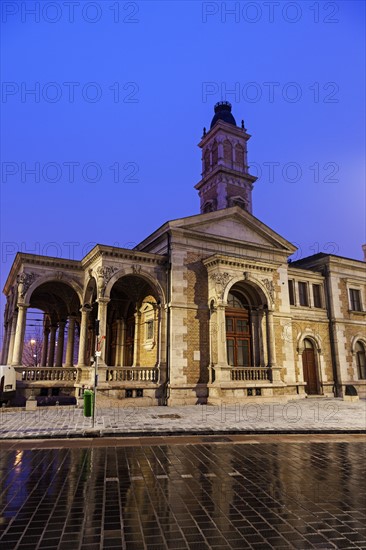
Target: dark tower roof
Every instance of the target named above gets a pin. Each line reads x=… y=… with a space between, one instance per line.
x=223 y=112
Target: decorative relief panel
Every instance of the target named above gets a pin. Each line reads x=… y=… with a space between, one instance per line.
x=221 y=280
x=24 y=281
x=105 y=273
x=270 y=288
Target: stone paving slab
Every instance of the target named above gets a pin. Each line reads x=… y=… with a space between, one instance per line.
x=303 y=415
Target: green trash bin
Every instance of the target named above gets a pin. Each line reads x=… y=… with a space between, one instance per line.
x=88 y=402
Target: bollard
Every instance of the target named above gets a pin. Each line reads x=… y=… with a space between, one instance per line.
x=88 y=402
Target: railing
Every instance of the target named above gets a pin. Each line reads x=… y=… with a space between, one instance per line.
x=253 y=374
x=48 y=374
x=132 y=374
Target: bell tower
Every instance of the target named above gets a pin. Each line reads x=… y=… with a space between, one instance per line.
x=225 y=179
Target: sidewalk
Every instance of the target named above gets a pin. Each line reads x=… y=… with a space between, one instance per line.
x=301 y=416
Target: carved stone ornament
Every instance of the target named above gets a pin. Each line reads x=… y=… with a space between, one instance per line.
x=220 y=280
x=136 y=268
x=105 y=272
x=270 y=288
x=24 y=281
x=59 y=275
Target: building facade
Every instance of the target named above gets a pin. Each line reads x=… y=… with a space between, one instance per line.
x=206 y=309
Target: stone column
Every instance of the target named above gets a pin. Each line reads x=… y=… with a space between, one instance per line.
x=19 y=335
x=52 y=345
x=102 y=317
x=12 y=337
x=46 y=332
x=158 y=338
x=60 y=343
x=272 y=348
x=121 y=332
x=6 y=338
x=83 y=340
x=69 y=359
x=136 y=339
x=276 y=376
x=255 y=336
x=221 y=336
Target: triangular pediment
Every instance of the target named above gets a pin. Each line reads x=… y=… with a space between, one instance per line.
x=234 y=224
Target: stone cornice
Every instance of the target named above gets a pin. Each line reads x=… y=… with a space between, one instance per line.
x=227 y=128
x=228 y=261
x=110 y=252
x=22 y=260
x=220 y=169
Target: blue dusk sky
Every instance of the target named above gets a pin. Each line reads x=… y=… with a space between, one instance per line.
x=103 y=105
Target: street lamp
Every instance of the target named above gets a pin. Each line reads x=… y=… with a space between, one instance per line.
x=33 y=343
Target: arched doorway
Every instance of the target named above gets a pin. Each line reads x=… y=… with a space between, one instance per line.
x=238 y=332
x=360 y=360
x=309 y=366
x=133 y=321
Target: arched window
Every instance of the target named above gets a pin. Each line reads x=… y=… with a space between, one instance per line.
x=206 y=160
x=215 y=153
x=238 y=333
x=308 y=344
x=234 y=302
x=228 y=153
x=239 y=156
x=360 y=360
x=237 y=201
x=208 y=207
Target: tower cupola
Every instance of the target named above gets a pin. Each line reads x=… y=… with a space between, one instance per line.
x=225 y=179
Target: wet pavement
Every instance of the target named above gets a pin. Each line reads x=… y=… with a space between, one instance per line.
x=159 y=493
x=302 y=415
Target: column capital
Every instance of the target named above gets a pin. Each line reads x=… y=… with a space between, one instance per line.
x=102 y=301
x=22 y=305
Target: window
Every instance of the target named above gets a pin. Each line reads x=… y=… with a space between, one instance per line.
x=291 y=292
x=149 y=322
x=317 y=296
x=303 y=294
x=215 y=153
x=206 y=161
x=228 y=152
x=238 y=337
x=149 y=329
x=239 y=156
x=355 y=299
x=234 y=302
x=360 y=360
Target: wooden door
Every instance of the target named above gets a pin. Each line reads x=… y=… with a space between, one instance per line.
x=310 y=370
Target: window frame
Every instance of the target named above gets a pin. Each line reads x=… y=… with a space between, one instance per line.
x=303 y=285
x=291 y=284
x=352 y=301
x=320 y=296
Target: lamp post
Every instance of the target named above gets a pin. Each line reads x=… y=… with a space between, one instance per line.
x=97 y=354
x=33 y=343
